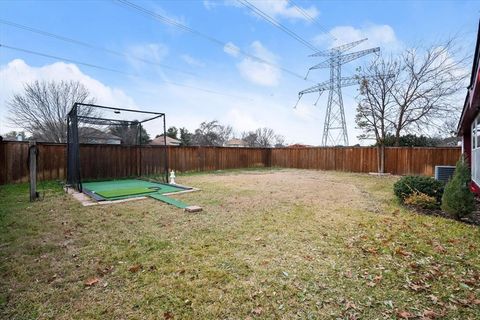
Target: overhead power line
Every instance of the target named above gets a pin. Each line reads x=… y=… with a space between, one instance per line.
x=176 y=24
x=45 y=55
x=90 y=65
x=312 y=19
x=89 y=45
x=277 y=24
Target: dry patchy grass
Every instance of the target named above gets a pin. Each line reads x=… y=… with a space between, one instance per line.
x=278 y=244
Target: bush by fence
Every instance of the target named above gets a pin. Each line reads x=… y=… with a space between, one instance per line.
x=115 y=161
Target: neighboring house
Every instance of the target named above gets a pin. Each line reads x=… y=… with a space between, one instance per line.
x=299 y=145
x=449 y=142
x=92 y=135
x=239 y=143
x=159 y=141
x=469 y=125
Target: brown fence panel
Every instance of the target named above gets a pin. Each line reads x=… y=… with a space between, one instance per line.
x=116 y=161
x=185 y=159
x=15 y=162
x=421 y=161
x=51 y=162
x=401 y=161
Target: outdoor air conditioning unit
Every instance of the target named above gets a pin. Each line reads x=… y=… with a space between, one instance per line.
x=444 y=173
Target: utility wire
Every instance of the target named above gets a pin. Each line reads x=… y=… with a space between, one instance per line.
x=60 y=58
x=89 y=45
x=277 y=24
x=90 y=65
x=312 y=19
x=214 y=40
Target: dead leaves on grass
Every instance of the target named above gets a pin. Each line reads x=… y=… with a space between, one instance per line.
x=376 y=280
x=402 y=252
x=370 y=250
x=135 y=268
x=104 y=271
x=430 y=314
x=427 y=314
x=257 y=311
x=404 y=314
x=91 y=281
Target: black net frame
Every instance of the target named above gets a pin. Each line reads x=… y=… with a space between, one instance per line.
x=76 y=116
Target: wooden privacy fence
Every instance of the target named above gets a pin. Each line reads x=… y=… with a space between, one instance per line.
x=116 y=161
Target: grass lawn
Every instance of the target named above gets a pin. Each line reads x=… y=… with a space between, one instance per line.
x=279 y=244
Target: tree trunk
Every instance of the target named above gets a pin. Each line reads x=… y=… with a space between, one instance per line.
x=397 y=138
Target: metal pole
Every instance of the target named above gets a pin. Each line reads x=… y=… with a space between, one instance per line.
x=32 y=165
x=140 y=147
x=165 y=154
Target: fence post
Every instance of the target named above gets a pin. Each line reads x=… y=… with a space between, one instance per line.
x=32 y=167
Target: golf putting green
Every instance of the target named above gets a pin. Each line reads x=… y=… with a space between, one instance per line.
x=132 y=188
x=124 y=192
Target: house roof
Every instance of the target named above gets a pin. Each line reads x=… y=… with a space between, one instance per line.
x=170 y=141
x=235 y=141
x=299 y=145
x=468 y=106
x=92 y=133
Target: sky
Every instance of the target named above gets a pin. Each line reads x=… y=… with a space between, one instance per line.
x=198 y=72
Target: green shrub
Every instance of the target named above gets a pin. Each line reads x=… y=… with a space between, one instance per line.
x=457 y=200
x=408 y=185
x=421 y=200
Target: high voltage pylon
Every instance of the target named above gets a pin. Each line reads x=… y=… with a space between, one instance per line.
x=335 y=128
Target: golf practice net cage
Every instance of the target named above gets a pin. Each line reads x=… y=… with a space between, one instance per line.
x=112 y=143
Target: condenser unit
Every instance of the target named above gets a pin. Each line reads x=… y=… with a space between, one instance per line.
x=444 y=173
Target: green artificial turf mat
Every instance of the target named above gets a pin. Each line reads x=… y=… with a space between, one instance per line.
x=113 y=193
x=176 y=203
x=127 y=188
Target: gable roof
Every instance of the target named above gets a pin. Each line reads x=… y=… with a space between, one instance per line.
x=93 y=133
x=235 y=141
x=159 y=141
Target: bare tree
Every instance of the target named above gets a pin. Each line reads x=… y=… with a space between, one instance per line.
x=377 y=106
x=212 y=134
x=279 y=141
x=426 y=90
x=43 y=106
x=130 y=133
x=263 y=138
x=250 y=138
x=412 y=93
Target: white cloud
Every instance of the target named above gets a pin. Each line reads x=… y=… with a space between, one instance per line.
x=258 y=72
x=14 y=74
x=382 y=36
x=252 y=111
x=209 y=5
x=192 y=61
x=244 y=121
x=283 y=9
x=176 y=19
x=231 y=49
x=154 y=52
x=279 y=9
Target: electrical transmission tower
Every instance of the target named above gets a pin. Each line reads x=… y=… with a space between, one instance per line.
x=335 y=128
